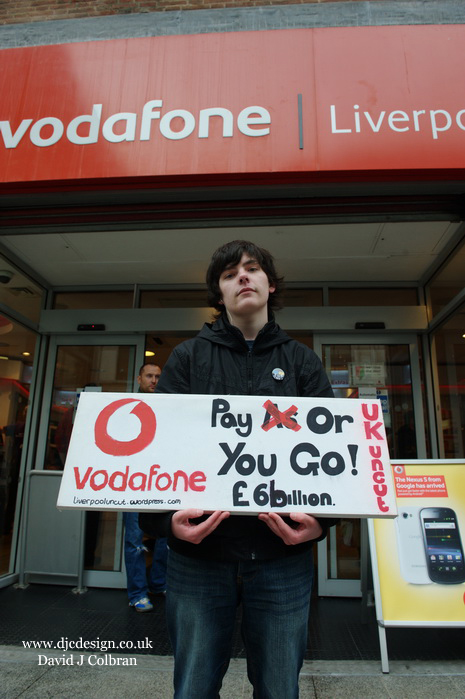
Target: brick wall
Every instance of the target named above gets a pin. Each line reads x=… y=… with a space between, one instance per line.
x=22 y=11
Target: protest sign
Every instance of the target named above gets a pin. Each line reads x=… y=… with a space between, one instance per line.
x=245 y=454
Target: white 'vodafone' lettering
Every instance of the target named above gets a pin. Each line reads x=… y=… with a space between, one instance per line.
x=49 y=130
x=433 y=120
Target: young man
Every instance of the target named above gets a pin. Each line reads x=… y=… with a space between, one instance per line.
x=217 y=561
x=134 y=549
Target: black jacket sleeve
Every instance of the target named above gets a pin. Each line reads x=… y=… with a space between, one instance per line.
x=156 y=524
x=175 y=377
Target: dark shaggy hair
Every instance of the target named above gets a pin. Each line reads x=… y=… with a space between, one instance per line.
x=231 y=254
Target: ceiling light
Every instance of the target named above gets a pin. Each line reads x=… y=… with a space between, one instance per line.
x=26 y=354
x=149 y=353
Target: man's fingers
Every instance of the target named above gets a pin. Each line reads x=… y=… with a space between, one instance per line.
x=308 y=527
x=185 y=515
x=183 y=528
x=272 y=524
x=211 y=523
x=274 y=521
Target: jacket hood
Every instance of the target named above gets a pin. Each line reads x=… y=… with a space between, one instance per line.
x=221 y=332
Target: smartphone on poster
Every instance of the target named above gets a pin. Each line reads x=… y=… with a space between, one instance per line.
x=410 y=547
x=443 y=546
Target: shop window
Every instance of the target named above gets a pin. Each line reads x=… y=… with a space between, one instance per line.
x=175 y=298
x=17 y=346
x=158 y=346
x=374 y=296
x=69 y=300
x=302 y=297
x=305 y=337
x=356 y=370
x=448 y=282
x=20 y=293
x=450 y=356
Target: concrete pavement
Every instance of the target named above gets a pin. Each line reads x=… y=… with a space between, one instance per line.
x=150 y=677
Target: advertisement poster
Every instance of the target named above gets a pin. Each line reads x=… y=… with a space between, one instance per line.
x=418 y=558
x=244 y=454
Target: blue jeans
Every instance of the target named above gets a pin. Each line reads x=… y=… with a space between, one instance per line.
x=134 y=557
x=202 y=597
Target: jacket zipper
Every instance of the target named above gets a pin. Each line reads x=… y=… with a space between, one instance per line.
x=249 y=391
x=249 y=373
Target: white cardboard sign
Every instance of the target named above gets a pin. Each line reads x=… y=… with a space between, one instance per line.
x=245 y=454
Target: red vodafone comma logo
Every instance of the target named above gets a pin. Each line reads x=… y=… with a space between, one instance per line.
x=114 y=447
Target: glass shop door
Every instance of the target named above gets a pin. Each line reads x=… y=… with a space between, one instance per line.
x=77 y=364
x=369 y=366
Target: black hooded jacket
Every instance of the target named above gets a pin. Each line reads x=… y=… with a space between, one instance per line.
x=218 y=361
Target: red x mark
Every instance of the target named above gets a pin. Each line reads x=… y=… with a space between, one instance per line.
x=279 y=418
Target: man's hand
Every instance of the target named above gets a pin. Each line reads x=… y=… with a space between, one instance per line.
x=183 y=528
x=309 y=528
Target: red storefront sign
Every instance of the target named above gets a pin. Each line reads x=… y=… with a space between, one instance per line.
x=319 y=101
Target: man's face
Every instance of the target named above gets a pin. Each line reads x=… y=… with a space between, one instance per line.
x=245 y=288
x=148 y=379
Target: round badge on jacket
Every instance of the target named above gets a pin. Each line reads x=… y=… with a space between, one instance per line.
x=278 y=374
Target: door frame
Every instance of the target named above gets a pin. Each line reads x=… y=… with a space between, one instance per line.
x=91 y=578
x=332 y=586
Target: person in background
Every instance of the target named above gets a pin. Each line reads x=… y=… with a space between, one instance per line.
x=217 y=561
x=134 y=549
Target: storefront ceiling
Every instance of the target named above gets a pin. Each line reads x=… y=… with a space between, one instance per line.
x=376 y=252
